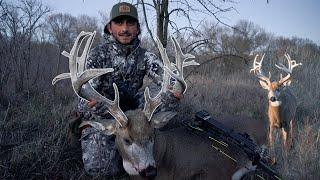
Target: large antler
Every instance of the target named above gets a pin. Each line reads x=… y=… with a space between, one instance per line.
x=291 y=64
x=181 y=58
x=257 y=70
x=80 y=76
x=179 y=88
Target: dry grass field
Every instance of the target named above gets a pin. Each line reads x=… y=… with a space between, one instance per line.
x=33 y=129
x=239 y=94
x=35 y=116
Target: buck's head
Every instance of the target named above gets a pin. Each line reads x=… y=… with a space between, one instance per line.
x=134 y=129
x=274 y=88
x=135 y=142
x=135 y=139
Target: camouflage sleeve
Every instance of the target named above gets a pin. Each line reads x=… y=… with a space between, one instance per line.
x=93 y=61
x=154 y=68
x=155 y=72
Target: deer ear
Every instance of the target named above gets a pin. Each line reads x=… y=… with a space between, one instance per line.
x=264 y=84
x=162 y=118
x=107 y=126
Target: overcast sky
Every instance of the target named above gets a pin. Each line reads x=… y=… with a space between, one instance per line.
x=299 y=18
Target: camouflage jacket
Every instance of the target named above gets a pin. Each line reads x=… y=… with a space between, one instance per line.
x=131 y=64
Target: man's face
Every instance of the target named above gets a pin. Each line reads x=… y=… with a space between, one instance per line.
x=124 y=29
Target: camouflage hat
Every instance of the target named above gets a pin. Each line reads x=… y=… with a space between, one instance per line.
x=123 y=9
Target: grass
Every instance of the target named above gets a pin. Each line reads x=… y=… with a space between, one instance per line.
x=239 y=93
x=33 y=140
x=33 y=132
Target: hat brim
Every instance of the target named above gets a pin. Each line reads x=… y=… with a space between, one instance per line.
x=105 y=30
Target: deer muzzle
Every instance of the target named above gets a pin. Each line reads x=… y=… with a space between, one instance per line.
x=273 y=99
x=149 y=173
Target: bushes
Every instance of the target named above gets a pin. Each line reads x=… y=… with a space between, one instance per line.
x=33 y=129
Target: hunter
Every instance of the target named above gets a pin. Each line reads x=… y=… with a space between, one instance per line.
x=131 y=63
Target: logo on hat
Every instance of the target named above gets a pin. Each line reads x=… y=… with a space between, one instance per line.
x=124 y=9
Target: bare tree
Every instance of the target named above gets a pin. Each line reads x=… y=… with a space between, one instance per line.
x=19 y=23
x=62 y=30
x=5 y=69
x=104 y=17
x=89 y=24
x=166 y=11
x=248 y=37
x=33 y=10
x=231 y=47
x=245 y=39
x=86 y=23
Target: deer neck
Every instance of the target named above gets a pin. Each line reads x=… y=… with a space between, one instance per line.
x=274 y=110
x=274 y=115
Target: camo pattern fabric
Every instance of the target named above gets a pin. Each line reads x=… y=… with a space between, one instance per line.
x=131 y=64
x=99 y=154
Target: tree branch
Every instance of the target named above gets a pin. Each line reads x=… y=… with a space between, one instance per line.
x=147 y=24
x=215 y=58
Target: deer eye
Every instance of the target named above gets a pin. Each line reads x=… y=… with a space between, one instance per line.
x=127 y=141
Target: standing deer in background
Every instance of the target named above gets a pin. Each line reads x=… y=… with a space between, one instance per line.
x=172 y=154
x=282 y=102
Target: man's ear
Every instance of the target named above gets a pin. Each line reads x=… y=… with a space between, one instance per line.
x=107 y=126
x=160 y=119
x=138 y=31
x=109 y=28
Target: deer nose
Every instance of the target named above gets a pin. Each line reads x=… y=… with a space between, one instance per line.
x=150 y=172
x=273 y=99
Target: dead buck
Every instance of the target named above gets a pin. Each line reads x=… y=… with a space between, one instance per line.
x=172 y=154
x=282 y=102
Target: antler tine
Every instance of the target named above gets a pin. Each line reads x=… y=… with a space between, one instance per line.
x=166 y=63
x=81 y=61
x=163 y=53
x=256 y=64
x=151 y=104
x=291 y=64
x=180 y=63
x=73 y=61
x=283 y=67
x=79 y=77
x=181 y=57
x=169 y=68
x=257 y=69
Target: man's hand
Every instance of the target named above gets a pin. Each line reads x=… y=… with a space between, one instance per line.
x=98 y=108
x=92 y=103
x=176 y=94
